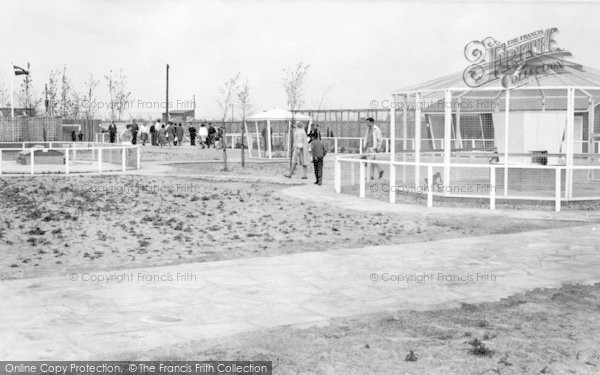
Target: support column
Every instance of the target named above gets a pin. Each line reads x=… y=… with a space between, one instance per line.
x=570 y=138
x=404 y=136
x=591 y=119
x=417 y=138
x=268 y=140
x=392 y=155
x=447 y=136
x=506 y=128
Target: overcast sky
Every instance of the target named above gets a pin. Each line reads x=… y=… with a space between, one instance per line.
x=357 y=50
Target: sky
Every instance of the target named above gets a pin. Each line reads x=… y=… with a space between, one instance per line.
x=358 y=50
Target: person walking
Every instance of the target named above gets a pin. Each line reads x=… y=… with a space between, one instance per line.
x=318 y=151
x=144 y=133
x=112 y=132
x=211 y=134
x=162 y=136
x=372 y=144
x=173 y=135
x=192 y=131
x=179 y=134
x=134 y=132
x=300 y=152
x=203 y=134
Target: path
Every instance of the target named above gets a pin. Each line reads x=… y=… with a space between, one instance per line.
x=57 y=318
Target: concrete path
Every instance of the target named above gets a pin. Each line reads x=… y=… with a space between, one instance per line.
x=66 y=317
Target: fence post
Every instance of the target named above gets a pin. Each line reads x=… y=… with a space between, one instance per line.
x=32 y=167
x=360 y=145
x=100 y=160
x=124 y=159
x=557 y=190
x=0 y=161
x=429 y=186
x=66 y=161
x=493 y=188
x=361 y=176
x=335 y=145
x=138 y=157
x=338 y=176
x=392 y=184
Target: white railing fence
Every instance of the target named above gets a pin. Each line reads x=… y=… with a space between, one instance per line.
x=486 y=182
x=67 y=157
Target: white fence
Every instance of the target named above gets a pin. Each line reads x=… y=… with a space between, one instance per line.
x=487 y=182
x=67 y=157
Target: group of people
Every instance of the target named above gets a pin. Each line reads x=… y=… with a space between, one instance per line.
x=169 y=133
x=310 y=145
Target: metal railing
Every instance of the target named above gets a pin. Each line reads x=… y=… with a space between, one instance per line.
x=517 y=182
x=68 y=157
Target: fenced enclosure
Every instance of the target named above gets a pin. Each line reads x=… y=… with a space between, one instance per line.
x=536 y=140
x=66 y=157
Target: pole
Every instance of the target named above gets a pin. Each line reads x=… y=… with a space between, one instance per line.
x=12 y=100
x=167 y=104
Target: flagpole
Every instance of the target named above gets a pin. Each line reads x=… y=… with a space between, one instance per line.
x=12 y=100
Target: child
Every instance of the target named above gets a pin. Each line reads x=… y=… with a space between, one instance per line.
x=318 y=150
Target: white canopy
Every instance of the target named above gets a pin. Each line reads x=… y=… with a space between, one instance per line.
x=277 y=115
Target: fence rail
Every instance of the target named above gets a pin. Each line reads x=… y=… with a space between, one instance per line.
x=67 y=157
x=493 y=182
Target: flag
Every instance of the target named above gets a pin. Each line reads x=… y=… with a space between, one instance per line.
x=20 y=71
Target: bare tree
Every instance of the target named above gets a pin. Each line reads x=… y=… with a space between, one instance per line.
x=245 y=106
x=112 y=92
x=122 y=95
x=227 y=94
x=293 y=83
x=26 y=87
x=90 y=99
x=323 y=96
x=52 y=93
x=66 y=103
x=4 y=94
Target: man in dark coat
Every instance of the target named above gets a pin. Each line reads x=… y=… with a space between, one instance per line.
x=73 y=136
x=112 y=132
x=179 y=134
x=318 y=151
x=80 y=136
x=134 y=132
x=153 y=132
x=192 y=131
x=211 y=134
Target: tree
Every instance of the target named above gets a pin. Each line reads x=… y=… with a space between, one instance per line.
x=90 y=99
x=122 y=95
x=227 y=92
x=66 y=102
x=112 y=92
x=25 y=94
x=293 y=83
x=245 y=106
x=52 y=93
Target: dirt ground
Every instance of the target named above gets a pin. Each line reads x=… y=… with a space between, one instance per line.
x=57 y=224
x=545 y=331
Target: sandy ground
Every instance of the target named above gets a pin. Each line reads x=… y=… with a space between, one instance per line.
x=545 y=331
x=54 y=224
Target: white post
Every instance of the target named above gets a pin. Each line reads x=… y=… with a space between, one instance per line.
x=338 y=176
x=404 y=136
x=392 y=151
x=335 y=145
x=362 y=178
x=32 y=167
x=66 y=161
x=447 y=136
x=139 y=158
x=258 y=138
x=557 y=189
x=429 y=186
x=124 y=159
x=506 y=127
x=268 y=140
x=493 y=188
x=570 y=138
x=0 y=161
x=100 y=160
x=360 y=145
x=417 y=139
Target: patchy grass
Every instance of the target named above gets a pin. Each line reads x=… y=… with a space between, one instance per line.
x=545 y=331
